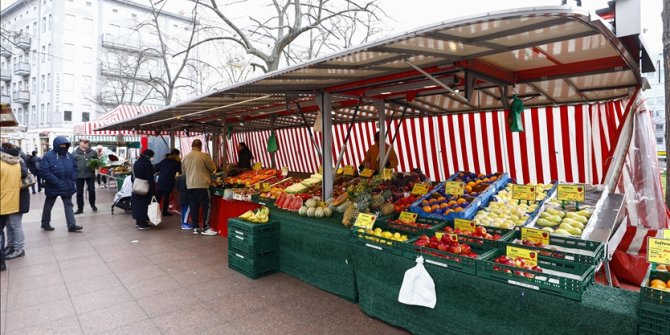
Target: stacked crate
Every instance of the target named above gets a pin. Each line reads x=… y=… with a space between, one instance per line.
x=654 y=309
x=253 y=248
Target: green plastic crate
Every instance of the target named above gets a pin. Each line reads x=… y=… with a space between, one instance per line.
x=653 y=297
x=256 y=247
x=571 y=288
x=448 y=260
x=652 y=320
x=378 y=242
x=249 y=232
x=595 y=249
x=436 y=224
x=249 y=273
x=252 y=265
x=506 y=235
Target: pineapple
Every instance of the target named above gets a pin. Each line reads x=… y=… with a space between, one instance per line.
x=387 y=208
x=388 y=195
x=350 y=215
x=363 y=201
x=377 y=201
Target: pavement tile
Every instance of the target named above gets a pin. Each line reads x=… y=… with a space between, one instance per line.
x=110 y=318
x=162 y=284
x=36 y=296
x=89 y=285
x=145 y=327
x=65 y=326
x=42 y=313
x=168 y=302
x=101 y=299
x=92 y=271
x=191 y=320
x=140 y=274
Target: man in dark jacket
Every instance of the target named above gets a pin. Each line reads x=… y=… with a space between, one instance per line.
x=59 y=172
x=82 y=155
x=167 y=170
x=33 y=163
x=244 y=156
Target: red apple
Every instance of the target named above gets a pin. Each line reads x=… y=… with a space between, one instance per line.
x=466 y=248
x=449 y=229
x=442 y=247
x=455 y=249
x=480 y=230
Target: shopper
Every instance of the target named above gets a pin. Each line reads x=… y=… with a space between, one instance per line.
x=244 y=156
x=180 y=184
x=10 y=188
x=104 y=162
x=59 y=172
x=142 y=169
x=371 y=160
x=85 y=174
x=167 y=170
x=197 y=167
x=34 y=167
x=15 y=235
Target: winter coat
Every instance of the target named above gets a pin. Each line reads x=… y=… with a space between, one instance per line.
x=82 y=157
x=33 y=164
x=10 y=183
x=197 y=167
x=144 y=170
x=24 y=197
x=58 y=170
x=167 y=170
x=244 y=157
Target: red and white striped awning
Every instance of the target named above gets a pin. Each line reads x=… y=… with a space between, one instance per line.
x=118 y=114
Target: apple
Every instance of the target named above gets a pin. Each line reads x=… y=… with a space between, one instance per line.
x=455 y=249
x=480 y=230
x=466 y=249
x=442 y=247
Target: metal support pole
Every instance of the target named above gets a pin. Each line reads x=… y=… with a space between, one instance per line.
x=346 y=138
x=324 y=101
x=441 y=84
x=216 y=144
x=224 y=144
x=381 y=110
x=273 y=155
x=309 y=128
x=397 y=130
x=172 y=143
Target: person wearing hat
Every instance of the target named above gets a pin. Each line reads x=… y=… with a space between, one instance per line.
x=143 y=169
x=85 y=174
x=59 y=172
x=197 y=167
x=167 y=170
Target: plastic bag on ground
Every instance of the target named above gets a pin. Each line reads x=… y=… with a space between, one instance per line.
x=154 y=212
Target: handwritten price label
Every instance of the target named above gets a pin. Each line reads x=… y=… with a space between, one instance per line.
x=524 y=192
x=367 y=173
x=365 y=221
x=530 y=256
x=454 y=187
x=465 y=226
x=257 y=166
x=420 y=189
x=573 y=192
x=349 y=170
x=535 y=235
x=658 y=250
x=407 y=217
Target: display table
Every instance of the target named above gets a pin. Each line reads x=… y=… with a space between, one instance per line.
x=221 y=210
x=316 y=251
x=472 y=305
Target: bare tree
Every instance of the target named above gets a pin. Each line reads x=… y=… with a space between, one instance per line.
x=268 y=38
x=666 y=67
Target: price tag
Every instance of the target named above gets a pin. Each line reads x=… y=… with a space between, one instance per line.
x=365 y=221
x=535 y=235
x=463 y=225
x=438 y=235
x=658 y=250
x=387 y=174
x=349 y=170
x=666 y=233
x=454 y=187
x=367 y=173
x=528 y=255
x=284 y=171
x=573 y=192
x=420 y=189
x=524 y=192
x=407 y=217
x=453 y=237
x=265 y=187
x=237 y=196
x=257 y=166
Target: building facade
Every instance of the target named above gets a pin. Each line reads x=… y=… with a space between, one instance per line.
x=63 y=62
x=656 y=100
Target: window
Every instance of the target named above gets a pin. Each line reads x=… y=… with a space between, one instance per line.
x=659 y=127
x=49 y=21
x=44 y=23
x=88 y=26
x=42 y=110
x=49 y=51
x=85 y=117
x=70 y=22
x=35 y=28
x=43 y=84
x=34 y=116
x=44 y=53
x=68 y=82
x=86 y=82
x=28 y=30
x=34 y=85
x=49 y=83
x=47 y=112
x=87 y=54
x=67 y=116
x=20 y=112
x=14 y=87
x=68 y=51
x=34 y=56
x=659 y=140
x=114 y=10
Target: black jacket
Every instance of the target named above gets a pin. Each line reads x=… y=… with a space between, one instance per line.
x=167 y=170
x=143 y=169
x=244 y=158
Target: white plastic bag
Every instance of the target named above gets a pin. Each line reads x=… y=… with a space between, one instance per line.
x=418 y=287
x=154 y=212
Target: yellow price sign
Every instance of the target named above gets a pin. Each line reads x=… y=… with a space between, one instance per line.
x=349 y=170
x=420 y=189
x=466 y=226
x=407 y=217
x=438 y=235
x=666 y=233
x=257 y=166
x=572 y=192
x=658 y=250
x=528 y=255
x=365 y=221
x=387 y=174
x=524 y=192
x=535 y=235
x=367 y=173
x=454 y=187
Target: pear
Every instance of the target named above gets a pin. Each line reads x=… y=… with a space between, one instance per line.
x=548 y=229
x=574 y=223
x=575 y=231
x=577 y=217
x=546 y=223
x=561 y=232
x=565 y=226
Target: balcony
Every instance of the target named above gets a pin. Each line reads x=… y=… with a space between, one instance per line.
x=5 y=98
x=5 y=50
x=22 y=97
x=22 y=69
x=5 y=74
x=22 y=41
x=130 y=44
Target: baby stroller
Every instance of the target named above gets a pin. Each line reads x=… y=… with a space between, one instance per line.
x=122 y=197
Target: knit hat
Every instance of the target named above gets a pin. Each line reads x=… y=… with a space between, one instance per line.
x=148 y=153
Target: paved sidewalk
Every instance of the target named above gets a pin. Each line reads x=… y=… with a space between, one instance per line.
x=114 y=279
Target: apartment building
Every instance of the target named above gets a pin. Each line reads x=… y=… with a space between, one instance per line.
x=64 y=62
x=656 y=100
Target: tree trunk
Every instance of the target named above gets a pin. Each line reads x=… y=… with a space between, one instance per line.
x=666 y=66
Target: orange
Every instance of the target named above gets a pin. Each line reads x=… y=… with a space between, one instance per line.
x=494 y=178
x=657 y=283
x=451 y=202
x=432 y=201
x=441 y=199
x=472 y=183
x=458 y=209
x=468 y=189
x=434 y=207
x=424 y=203
x=461 y=200
x=444 y=205
x=427 y=209
x=486 y=180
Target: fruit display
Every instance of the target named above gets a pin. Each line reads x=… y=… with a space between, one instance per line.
x=475 y=236
x=659 y=284
x=404 y=203
x=517 y=262
x=289 y=202
x=662 y=268
x=440 y=205
x=249 y=178
x=563 y=222
x=277 y=188
x=304 y=185
x=476 y=183
x=375 y=234
x=447 y=244
x=261 y=215
x=505 y=212
x=121 y=169
x=315 y=209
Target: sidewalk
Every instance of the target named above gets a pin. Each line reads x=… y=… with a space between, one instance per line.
x=114 y=279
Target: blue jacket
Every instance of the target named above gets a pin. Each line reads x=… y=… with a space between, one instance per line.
x=167 y=170
x=59 y=170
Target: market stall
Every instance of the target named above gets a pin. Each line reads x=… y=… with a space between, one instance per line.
x=511 y=233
